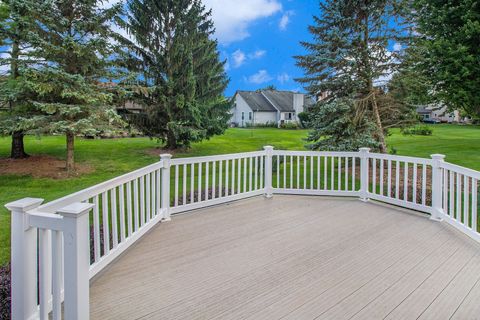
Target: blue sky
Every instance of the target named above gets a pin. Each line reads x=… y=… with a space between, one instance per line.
x=259 y=37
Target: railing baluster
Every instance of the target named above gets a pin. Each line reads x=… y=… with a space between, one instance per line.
x=261 y=172
x=325 y=173
x=233 y=177
x=250 y=173
x=466 y=199
x=459 y=198
x=244 y=175
x=311 y=173
x=414 y=184
x=44 y=271
x=199 y=191
x=291 y=172
x=332 y=174
x=381 y=177
x=177 y=169
x=57 y=275
x=96 y=228
x=339 y=173
x=158 y=192
x=374 y=175
x=130 y=213
x=304 y=172
x=121 y=192
x=389 y=177
x=445 y=191
x=192 y=183
x=397 y=180
x=147 y=197
x=452 y=196
x=318 y=173
x=227 y=177
x=207 y=178
x=346 y=173
x=105 y=223
x=405 y=181
x=214 y=179
x=220 y=180
x=142 y=201
x=284 y=171
x=424 y=184
x=256 y=172
x=239 y=175
x=474 y=204
x=354 y=178
x=113 y=198
x=297 y=185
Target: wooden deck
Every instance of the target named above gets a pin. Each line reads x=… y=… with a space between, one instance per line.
x=294 y=257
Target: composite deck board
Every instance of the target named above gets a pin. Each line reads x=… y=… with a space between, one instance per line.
x=293 y=257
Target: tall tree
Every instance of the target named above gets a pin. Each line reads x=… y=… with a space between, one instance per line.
x=17 y=22
x=448 y=39
x=75 y=45
x=180 y=66
x=350 y=56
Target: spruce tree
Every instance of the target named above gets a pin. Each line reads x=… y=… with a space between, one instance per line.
x=448 y=40
x=180 y=68
x=69 y=87
x=348 y=55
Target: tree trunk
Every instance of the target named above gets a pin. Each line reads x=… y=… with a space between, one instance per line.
x=70 y=155
x=171 y=141
x=378 y=121
x=18 y=148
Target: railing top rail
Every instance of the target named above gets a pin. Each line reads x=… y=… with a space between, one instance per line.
x=317 y=153
x=84 y=194
x=462 y=170
x=383 y=156
x=230 y=156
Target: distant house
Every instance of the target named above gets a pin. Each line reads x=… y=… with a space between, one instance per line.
x=267 y=106
x=435 y=113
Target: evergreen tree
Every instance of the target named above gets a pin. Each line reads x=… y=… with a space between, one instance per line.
x=179 y=64
x=350 y=54
x=17 y=23
x=69 y=87
x=449 y=37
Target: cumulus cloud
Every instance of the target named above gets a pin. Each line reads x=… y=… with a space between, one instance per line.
x=261 y=76
x=397 y=46
x=283 y=77
x=285 y=20
x=238 y=58
x=257 y=54
x=232 y=18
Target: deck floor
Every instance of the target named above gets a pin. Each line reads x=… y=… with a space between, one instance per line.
x=294 y=257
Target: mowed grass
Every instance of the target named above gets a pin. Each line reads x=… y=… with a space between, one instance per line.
x=113 y=157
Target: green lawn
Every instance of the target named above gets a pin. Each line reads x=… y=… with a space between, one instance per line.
x=113 y=157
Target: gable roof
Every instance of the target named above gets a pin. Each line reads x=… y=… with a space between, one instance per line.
x=282 y=100
x=256 y=101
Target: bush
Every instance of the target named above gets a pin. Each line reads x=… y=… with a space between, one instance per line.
x=304 y=119
x=289 y=126
x=419 y=131
x=5 y=288
x=268 y=124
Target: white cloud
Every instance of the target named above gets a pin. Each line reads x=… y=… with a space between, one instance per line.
x=233 y=17
x=283 y=77
x=261 y=76
x=285 y=20
x=238 y=58
x=257 y=54
x=110 y=3
x=397 y=46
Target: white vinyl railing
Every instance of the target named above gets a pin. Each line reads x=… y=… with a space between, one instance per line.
x=57 y=247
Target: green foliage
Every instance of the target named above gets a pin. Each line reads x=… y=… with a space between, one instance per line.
x=449 y=34
x=349 y=54
x=289 y=126
x=418 y=130
x=180 y=68
x=333 y=128
x=304 y=119
x=268 y=124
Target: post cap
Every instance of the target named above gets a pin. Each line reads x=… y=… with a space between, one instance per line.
x=24 y=204
x=437 y=156
x=267 y=148
x=165 y=156
x=364 y=149
x=76 y=209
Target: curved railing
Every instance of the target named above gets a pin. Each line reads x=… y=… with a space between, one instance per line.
x=60 y=245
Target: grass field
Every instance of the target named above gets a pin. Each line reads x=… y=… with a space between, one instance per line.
x=112 y=157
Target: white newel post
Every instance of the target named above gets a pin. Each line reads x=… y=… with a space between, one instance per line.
x=165 y=196
x=23 y=259
x=437 y=210
x=364 y=156
x=76 y=259
x=268 y=171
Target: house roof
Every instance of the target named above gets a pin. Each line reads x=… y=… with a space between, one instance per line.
x=256 y=101
x=270 y=100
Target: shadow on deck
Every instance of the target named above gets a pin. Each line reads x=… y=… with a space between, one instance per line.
x=294 y=257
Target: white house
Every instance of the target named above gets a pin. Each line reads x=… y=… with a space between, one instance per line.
x=439 y=113
x=267 y=106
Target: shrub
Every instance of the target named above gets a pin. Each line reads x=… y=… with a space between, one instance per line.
x=5 y=288
x=289 y=125
x=268 y=124
x=419 y=131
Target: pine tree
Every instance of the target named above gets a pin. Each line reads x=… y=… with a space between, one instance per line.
x=448 y=39
x=17 y=23
x=350 y=54
x=69 y=87
x=180 y=67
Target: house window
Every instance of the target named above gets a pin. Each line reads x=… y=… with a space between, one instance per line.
x=289 y=116
x=249 y=116
x=243 y=115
